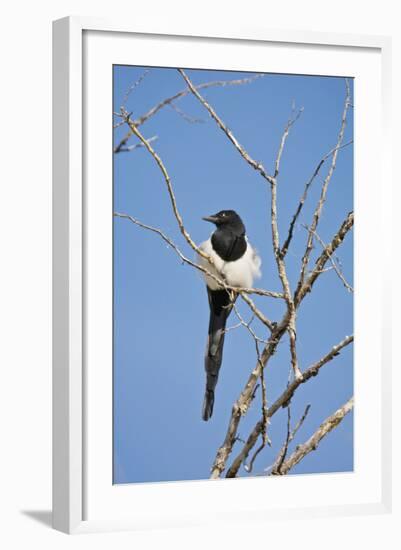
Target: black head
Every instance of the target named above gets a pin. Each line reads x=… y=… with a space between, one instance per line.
x=227 y=219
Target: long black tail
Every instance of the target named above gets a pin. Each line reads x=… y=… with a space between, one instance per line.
x=220 y=308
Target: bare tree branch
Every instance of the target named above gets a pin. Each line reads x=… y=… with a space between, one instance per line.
x=169 y=100
x=293 y=349
x=239 y=324
x=281 y=267
x=270 y=325
x=276 y=468
x=282 y=401
x=242 y=404
x=323 y=258
x=322 y=199
x=248 y=327
x=284 y=248
x=256 y=165
x=188 y=118
x=312 y=443
x=265 y=418
x=133 y=86
x=129 y=148
x=169 y=186
x=118 y=124
x=332 y=261
x=257 y=340
x=291 y=121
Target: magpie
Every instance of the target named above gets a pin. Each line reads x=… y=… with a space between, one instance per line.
x=237 y=263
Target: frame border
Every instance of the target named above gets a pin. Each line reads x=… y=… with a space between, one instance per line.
x=68 y=246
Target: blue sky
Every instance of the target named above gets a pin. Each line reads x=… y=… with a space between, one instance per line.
x=160 y=306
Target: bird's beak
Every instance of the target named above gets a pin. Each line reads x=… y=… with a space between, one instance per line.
x=212 y=219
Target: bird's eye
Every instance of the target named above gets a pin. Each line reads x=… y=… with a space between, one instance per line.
x=223 y=214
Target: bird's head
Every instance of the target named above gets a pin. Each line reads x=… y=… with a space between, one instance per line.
x=227 y=219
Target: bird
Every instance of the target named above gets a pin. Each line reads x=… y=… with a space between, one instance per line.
x=237 y=263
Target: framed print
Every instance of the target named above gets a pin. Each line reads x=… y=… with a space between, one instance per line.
x=219 y=307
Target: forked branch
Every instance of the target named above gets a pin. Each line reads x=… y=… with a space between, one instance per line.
x=323 y=259
x=291 y=433
x=312 y=443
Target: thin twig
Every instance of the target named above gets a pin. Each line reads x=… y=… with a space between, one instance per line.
x=133 y=86
x=248 y=327
x=118 y=124
x=332 y=260
x=281 y=267
x=322 y=199
x=276 y=468
x=188 y=118
x=291 y=121
x=238 y=325
x=284 y=248
x=257 y=340
x=270 y=325
x=323 y=258
x=128 y=148
x=265 y=418
x=312 y=443
x=169 y=100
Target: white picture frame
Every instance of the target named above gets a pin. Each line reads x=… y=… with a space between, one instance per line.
x=75 y=480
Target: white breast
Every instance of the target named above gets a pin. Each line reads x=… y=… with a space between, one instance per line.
x=239 y=273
